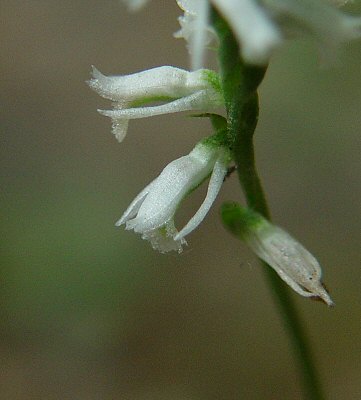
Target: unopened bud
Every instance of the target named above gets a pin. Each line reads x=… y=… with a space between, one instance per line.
x=292 y=262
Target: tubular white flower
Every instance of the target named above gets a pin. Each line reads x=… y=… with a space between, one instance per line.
x=261 y=26
x=181 y=90
x=151 y=213
x=292 y=262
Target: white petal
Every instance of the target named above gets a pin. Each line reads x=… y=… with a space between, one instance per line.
x=189 y=6
x=134 y=206
x=195 y=29
x=149 y=85
x=201 y=100
x=257 y=35
x=199 y=37
x=215 y=183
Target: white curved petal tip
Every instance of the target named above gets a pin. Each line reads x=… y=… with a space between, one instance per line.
x=215 y=184
x=106 y=113
x=96 y=74
x=97 y=79
x=120 y=222
x=120 y=129
x=324 y=296
x=119 y=125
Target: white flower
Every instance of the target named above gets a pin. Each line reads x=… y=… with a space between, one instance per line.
x=178 y=89
x=261 y=26
x=292 y=262
x=152 y=212
x=319 y=20
x=195 y=29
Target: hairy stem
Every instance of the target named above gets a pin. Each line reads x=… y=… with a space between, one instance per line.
x=240 y=83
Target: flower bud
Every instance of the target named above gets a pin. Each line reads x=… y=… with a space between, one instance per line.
x=292 y=262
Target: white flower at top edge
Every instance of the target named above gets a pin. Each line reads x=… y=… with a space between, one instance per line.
x=261 y=26
x=151 y=213
x=195 y=29
x=319 y=20
x=178 y=89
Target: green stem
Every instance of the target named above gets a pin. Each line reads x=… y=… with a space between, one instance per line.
x=240 y=83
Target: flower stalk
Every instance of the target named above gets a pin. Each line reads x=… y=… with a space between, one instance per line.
x=240 y=83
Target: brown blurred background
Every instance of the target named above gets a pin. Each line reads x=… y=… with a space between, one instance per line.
x=90 y=312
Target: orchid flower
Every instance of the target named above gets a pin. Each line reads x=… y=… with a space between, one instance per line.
x=195 y=29
x=292 y=262
x=151 y=213
x=178 y=89
x=262 y=26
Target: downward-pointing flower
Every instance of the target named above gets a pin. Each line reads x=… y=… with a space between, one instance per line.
x=292 y=262
x=151 y=213
x=178 y=89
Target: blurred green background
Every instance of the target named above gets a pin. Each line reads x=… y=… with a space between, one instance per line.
x=92 y=312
